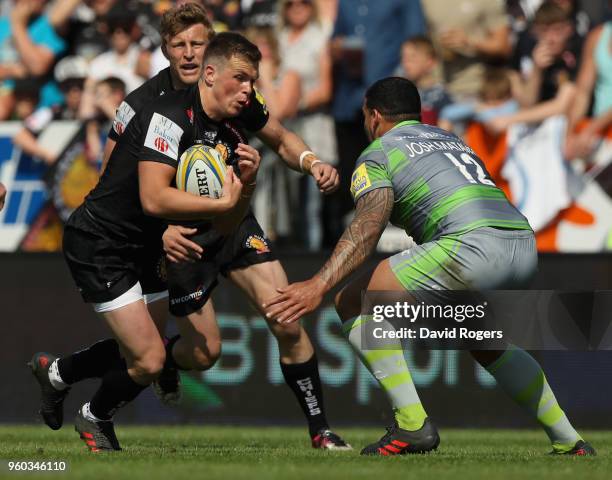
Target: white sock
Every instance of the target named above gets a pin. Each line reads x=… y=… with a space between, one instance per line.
x=88 y=415
x=55 y=378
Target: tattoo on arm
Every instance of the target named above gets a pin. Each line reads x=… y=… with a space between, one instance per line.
x=360 y=237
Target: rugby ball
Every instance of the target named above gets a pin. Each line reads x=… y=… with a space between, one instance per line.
x=201 y=171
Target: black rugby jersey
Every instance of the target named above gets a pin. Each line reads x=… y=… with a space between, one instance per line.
x=161 y=132
x=158 y=85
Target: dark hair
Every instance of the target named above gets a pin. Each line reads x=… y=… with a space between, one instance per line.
x=114 y=83
x=423 y=43
x=228 y=44
x=177 y=19
x=550 y=13
x=397 y=99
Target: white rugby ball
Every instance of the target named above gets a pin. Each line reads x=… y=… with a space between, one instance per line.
x=201 y=171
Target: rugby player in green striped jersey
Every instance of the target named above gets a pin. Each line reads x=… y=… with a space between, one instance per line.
x=426 y=181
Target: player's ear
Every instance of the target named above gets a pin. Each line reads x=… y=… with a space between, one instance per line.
x=210 y=73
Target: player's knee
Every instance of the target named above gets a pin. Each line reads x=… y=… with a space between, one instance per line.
x=149 y=366
x=287 y=333
x=206 y=357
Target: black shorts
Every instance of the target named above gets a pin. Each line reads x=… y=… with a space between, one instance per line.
x=104 y=267
x=190 y=284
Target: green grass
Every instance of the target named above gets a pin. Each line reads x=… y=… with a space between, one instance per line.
x=191 y=452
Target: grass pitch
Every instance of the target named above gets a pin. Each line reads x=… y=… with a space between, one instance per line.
x=190 y=452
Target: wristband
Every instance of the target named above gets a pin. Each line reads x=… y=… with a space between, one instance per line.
x=314 y=162
x=303 y=155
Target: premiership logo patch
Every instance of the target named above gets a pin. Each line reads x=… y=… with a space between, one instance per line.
x=261 y=100
x=258 y=243
x=360 y=180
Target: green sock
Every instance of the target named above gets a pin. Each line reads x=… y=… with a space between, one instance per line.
x=390 y=370
x=522 y=378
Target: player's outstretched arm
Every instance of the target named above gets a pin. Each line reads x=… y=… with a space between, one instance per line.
x=159 y=199
x=290 y=147
x=356 y=244
x=2 y=195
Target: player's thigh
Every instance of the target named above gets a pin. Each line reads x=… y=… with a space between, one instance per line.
x=379 y=278
x=137 y=334
x=260 y=281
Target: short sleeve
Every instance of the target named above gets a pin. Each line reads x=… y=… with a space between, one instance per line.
x=371 y=171
x=255 y=116
x=123 y=116
x=161 y=137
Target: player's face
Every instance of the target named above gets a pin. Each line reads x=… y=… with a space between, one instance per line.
x=185 y=52
x=233 y=85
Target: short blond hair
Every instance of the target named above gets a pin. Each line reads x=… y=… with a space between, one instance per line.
x=180 y=18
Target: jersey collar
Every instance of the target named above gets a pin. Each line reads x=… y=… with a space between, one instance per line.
x=406 y=122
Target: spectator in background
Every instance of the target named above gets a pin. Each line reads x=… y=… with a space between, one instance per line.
x=86 y=30
x=303 y=47
x=108 y=95
x=548 y=70
x=495 y=99
x=28 y=47
x=121 y=60
x=365 y=47
x=70 y=73
x=468 y=35
x=594 y=81
x=26 y=96
x=420 y=64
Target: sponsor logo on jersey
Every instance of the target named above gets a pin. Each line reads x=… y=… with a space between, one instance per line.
x=163 y=136
x=124 y=115
x=258 y=243
x=189 y=113
x=161 y=144
x=360 y=180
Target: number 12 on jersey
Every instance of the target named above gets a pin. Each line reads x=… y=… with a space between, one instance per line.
x=468 y=161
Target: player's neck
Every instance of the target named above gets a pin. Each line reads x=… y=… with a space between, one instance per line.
x=177 y=84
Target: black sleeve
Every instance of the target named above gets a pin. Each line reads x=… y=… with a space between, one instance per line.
x=164 y=129
x=255 y=116
x=123 y=116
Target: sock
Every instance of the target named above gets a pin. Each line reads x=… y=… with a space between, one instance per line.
x=55 y=378
x=88 y=415
x=91 y=362
x=519 y=375
x=390 y=370
x=303 y=379
x=170 y=361
x=117 y=389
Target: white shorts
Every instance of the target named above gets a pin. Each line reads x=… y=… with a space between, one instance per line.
x=134 y=294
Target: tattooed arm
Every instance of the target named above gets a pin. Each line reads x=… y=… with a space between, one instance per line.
x=354 y=247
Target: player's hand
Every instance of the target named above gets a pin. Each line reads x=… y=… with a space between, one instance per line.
x=2 y=195
x=326 y=176
x=248 y=162
x=295 y=300
x=178 y=247
x=232 y=189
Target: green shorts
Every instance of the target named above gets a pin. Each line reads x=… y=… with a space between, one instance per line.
x=483 y=259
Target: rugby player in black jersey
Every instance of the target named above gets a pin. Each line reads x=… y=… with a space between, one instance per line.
x=242 y=256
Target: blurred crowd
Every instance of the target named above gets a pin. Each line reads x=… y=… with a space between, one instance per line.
x=482 y=67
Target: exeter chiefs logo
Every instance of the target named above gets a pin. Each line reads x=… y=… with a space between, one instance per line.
x=258 y=243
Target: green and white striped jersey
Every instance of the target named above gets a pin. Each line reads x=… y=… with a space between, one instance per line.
x=439 y=184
